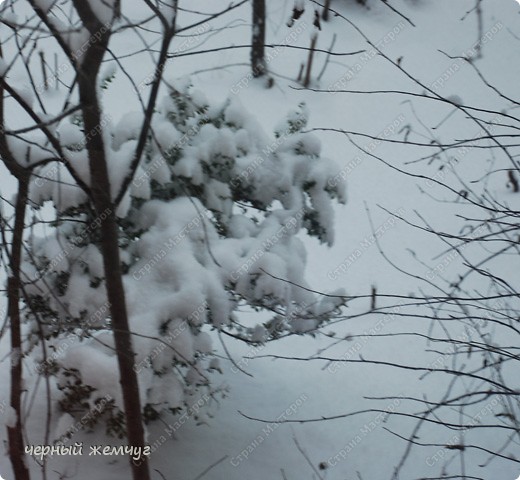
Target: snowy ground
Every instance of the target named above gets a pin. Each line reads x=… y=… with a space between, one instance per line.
x=247 y=449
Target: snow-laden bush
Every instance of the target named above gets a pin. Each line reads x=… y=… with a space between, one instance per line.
x=209 y=226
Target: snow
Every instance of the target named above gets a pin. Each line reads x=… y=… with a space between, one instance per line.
x=175 y=270
x=166 y=135
x=71 y=135
x=127 y=129
x=166 y=392
x=204 y=344
x=93 y=258
x=45 y=5
x=55 y=255
x=104 y=10
x=9 y=17
x=3 y=67
x=63 y=425
x=54 y=182
x=10 y=417
x=97 y=369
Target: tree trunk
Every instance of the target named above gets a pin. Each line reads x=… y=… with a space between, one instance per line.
x=307 y=80
x=326 y=11
x=100 y=185
x=14 y=434
x=105 y=209
x=101 y=197
x=258 y=64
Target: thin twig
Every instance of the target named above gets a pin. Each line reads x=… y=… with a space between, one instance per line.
x=213 y=465
x=302 y=451
x=327 y=59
